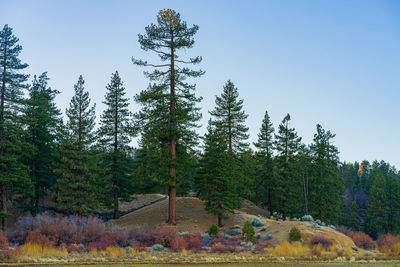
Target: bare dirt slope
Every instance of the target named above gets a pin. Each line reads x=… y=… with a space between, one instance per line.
x=192 y=217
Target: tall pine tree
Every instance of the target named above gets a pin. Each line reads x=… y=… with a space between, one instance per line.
x=76 y=168
x=265 y=146
x=214 y=184
x=13 y=174
x=42 y=118
x=115 y=135
x=288 y=178
x=171 y=101
x=230 y=116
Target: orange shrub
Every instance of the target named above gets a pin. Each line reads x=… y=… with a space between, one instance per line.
x=387 y=241
x=362 y=240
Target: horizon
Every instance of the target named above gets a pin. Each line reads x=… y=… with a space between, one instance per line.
x=326 y=78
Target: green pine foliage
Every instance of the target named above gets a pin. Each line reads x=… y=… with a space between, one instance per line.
x=77 y=171
x=288 y=178
x=376 y=207
x=169 y=113
x=229 y=115
x=248 y=231
x=294 y=234
x=42 y=118
x=327 y=186
x=214 y=184
x=265 y=146
x=115 y=134
x=13 y=172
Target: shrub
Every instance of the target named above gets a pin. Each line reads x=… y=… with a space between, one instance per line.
x=193 y=240
x=387 y=241
x=3 y=241
x=257 y=223
x=164 y=235
x=322 y=240
x=157 y=247
x=213 y=230
x=294 y=234
x=362 y=240
x=248 y=231
x=232 y=232
x=179 y=244
x=287 y=249
x=307 y=218
x=38 y=238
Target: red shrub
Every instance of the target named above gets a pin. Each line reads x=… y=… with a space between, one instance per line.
x=76 y=248
x=179 y=243
x=38 y=238
x=193 y=241
x=362 y=240
x=3 y=241
x=387 y=241
x=321 y=239
x=164 y=234
x=121 y=237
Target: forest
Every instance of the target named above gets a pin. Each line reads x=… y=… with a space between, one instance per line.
x=86 y=165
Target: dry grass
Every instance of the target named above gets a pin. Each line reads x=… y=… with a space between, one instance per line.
x=34 y=250
x=286 y=249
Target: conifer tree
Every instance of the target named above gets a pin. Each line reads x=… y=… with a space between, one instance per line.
x=42 y=118
x=115 y=135
x=265 y=146
x=229 y=114
x=289 y=183
x=392 y=218
x=13 y=174
x=170 y=102
x=214 y=184
x=375 y=223
x=76 y=168
x=326 y=187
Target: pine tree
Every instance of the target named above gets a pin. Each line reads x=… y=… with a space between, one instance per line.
x=115 y=135
x=13 y=174
x=289 y=183
x=375 y=223
x=392 y=204
x=326 y=187
x=77 y=164
x=229 y=114
x=214 y=185
x=265 y=146
x=42 y=117
x=171 y=102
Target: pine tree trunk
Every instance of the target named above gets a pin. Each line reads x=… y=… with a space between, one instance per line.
x=220 y=221
x=116 y=204
x=270 y=201
x=172 y=168
x=3 y=205
x=3 y=185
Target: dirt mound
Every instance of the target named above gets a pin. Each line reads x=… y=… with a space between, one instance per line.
x=192 y=217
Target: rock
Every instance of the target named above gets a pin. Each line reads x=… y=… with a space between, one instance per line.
x=257 y=236
x=205 y=235
x=236 y=226
x=263 y=229
x=268 y=236
x=307 y=218
x=366 y=253
x=355 y=248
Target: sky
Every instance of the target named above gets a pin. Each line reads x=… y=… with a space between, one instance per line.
x=336 y=63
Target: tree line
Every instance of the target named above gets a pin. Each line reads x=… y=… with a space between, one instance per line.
x=84 y=169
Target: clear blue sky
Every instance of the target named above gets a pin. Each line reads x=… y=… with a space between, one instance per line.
x=336 y=63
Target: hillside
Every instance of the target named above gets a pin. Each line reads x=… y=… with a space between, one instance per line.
x=192 y=217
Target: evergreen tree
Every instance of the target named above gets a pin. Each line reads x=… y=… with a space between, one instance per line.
x=265 y=146
x=393 y=204
x=13 y=174
x=375 y=223
x=171 y=102
x=77 y=182
x=326 y=187
x=115 y=134
x=214 y=185
x=229 y=114
x=42 y=117
x=288 y=179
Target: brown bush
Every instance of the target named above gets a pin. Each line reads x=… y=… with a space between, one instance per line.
x=362 y=240
x=387 y=241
